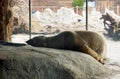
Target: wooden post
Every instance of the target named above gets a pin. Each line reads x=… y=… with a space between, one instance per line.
x=42 y=8
x=118 y=7
x=76 y=9
x=54 y=8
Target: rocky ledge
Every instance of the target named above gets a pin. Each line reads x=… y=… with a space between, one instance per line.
x=20 y=61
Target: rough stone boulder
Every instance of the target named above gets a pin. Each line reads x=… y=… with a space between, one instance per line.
x=27 y=62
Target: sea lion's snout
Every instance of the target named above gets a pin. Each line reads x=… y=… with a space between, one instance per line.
x=34 y=42
x=29 y=42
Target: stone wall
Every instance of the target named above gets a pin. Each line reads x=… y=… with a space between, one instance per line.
x=53 y=4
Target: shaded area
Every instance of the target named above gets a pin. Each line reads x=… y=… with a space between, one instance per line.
x=11 y=44
x=111 y=35
x=111 y=27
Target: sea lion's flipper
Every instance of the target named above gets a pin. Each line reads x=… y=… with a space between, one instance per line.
x=86 y=49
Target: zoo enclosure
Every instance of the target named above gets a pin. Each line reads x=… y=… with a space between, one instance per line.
x=100 y=6
x=78 y=10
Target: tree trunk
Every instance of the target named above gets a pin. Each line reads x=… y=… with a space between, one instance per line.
x=6 y=20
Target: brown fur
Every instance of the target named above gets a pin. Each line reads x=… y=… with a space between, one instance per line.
x=84 y=41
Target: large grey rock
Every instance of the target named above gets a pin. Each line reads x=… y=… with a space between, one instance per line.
x=27 y=62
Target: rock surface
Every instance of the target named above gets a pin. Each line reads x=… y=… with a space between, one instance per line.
x=27 y=62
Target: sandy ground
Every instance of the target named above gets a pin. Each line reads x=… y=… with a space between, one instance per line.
x=113 y=52
x=113 y=56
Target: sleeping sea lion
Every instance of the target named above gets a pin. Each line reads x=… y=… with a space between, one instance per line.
x=84 y=41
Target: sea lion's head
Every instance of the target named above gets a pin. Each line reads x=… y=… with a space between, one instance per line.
x=36 y=41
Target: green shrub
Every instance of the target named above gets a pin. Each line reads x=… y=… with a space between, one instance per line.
x=79 y=3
